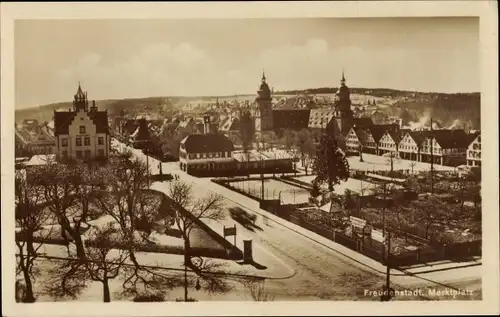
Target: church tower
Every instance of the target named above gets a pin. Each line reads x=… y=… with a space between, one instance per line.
x=264 y=102
x=343 y=112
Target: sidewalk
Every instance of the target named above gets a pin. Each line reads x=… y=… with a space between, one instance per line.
x=265 y=263
x=175 y=262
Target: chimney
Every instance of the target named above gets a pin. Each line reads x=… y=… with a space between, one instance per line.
x=93 y=108
x=206 y=124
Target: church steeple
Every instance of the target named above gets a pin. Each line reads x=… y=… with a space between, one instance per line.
x=263 y=76
x=342 y=81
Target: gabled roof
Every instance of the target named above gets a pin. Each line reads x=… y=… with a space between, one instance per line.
x=471 y=137
x=362 y=122
x=451 y=139
x=377 y=131
x=205 y=143
x=63 y=119
x=395 y=135
x=230 y=124
x=360 y=133
x=417 y=137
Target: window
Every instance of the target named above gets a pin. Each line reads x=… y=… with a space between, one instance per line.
x=100 y=152
x=64 y=142
x=65 y=153
x=78 y=153
x=86 y=141
x=78 y=141
x=87 y=153
x=82 y=129
x=100 y=140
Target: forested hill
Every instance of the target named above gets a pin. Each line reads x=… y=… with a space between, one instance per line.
x=377 y=92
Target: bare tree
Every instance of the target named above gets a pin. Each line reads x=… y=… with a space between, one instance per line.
x=258 y=290
x=188 y=210
x=60 y=185
x=136 y=210
x=30 y=217
x=104 y=263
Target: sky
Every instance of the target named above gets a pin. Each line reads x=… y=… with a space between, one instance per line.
x=143 y=58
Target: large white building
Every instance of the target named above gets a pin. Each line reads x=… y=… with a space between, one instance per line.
x=81 y=132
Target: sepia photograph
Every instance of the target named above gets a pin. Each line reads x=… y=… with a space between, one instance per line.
x=260 y=159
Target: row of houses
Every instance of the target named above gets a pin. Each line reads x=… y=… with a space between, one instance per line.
x=450 y=147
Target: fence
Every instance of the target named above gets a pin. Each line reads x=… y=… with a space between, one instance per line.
x=376 y=250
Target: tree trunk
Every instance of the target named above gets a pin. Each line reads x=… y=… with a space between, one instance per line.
x=29 y=296
x=105 y=290
x=187 y=262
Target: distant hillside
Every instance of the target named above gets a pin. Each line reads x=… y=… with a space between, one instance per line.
x=411 y=106
x=444 y=108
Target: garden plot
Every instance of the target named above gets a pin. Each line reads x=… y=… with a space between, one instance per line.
x=354 y=185
x=273 y=189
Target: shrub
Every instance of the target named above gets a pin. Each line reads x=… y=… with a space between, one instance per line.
x=149 y=298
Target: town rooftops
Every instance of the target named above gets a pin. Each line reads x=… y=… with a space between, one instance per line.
x=207 y=143
x=256 y=156
x=319 y=118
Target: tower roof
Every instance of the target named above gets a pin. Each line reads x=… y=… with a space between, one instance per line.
x=79 y=92
x=342 y=80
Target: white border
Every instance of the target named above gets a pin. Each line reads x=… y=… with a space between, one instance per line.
x=486 y=10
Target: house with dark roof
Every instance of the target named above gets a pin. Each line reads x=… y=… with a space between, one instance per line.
x=445 y=147
x=206 y=154
x=355 y=140
x=389 y=142
x=373 y=134
x=81 y=132
x=410 y=145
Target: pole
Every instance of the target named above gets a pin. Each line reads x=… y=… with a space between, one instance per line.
x=432 y=159
x=388 y=272
x=383 y=211
x=185 y=277
x=262 y=177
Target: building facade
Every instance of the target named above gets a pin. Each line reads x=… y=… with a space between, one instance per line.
x=474 y=152
x=389 y=142
x=410 y=145
x=82 y=132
